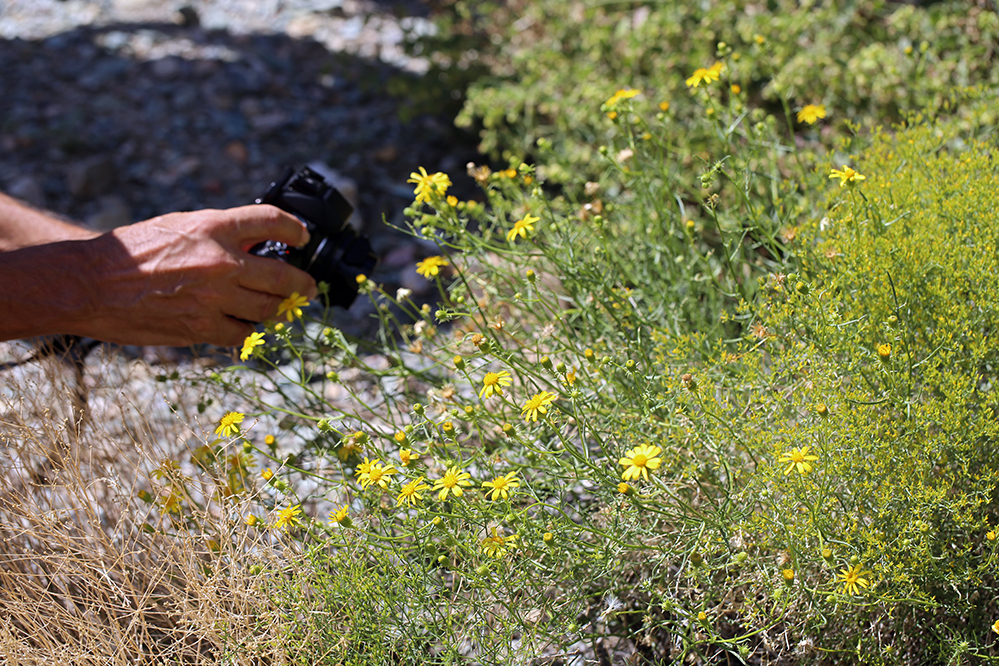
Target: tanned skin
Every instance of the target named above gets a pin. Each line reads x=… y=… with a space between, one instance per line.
x=176 y=280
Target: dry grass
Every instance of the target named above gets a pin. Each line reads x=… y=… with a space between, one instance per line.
x=89 y=573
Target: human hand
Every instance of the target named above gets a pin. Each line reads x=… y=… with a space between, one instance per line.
x=186 y=278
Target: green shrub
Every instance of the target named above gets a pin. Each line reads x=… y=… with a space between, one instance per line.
x=732 y=403
x=869 y=62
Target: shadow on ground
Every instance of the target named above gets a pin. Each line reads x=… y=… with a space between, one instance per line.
x=124 y=122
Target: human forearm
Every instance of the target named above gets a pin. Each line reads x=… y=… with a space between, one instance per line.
x=44 y=290
x=23 y=226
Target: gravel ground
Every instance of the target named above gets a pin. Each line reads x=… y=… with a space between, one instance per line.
x=114 y=111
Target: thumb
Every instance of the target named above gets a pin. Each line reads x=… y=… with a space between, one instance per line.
x=249 y=225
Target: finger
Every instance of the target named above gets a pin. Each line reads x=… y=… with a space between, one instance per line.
x=231 y=332
x=248 y=225
x=252 y=306
x=271 y=276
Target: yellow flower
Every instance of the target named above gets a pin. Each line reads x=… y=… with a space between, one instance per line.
x=496 y=545
x=798 y=458
x=522 y=227
x=228 y=425
x=348 y=449
x=736 y=88
x=700 y=74
x=502 y=485
x=626 y=93
x=639 y=461
x=251 y=342
x=288 y=517
x=494 y=382
x=991 y=535
x=374 y=473
x=847 y=176
x=664 y=106
x=340 y=517
x=624 y=488
x=292 y=306
x=884 y=351
x=270 y=440
x=431 y=266
x=411 y=492
x=452 y=483
x=267 y=474
x=788 y=575
x=251 y=520
x=406 y=456
x=538 y=404
x=995 y=626
x=171 y=503
x=452 y=200
x=811 y=113
x=429 y=184
x=853 y=579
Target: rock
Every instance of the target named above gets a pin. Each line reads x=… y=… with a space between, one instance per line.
x=29 y=190
x=236 y=151
x=92 y=177
x=187 y=16
x=114 y=212
x=166 y=68
x=387 y=153
x=182 y=168
x=399 y=256
x=269 y=122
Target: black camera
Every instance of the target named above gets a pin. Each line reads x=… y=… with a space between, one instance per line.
x=335 y=253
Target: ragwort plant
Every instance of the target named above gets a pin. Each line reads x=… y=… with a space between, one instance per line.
x=746 y=418
x=512 y=474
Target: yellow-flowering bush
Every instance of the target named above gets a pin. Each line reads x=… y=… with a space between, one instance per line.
x=752 y=417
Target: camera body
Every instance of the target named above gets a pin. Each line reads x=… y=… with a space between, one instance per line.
x=335 y=253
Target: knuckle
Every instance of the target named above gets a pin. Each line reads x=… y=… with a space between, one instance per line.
x=201 y=327
x=271 y=214
x=268 y=306
x=235 y=337
x=284 y=281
